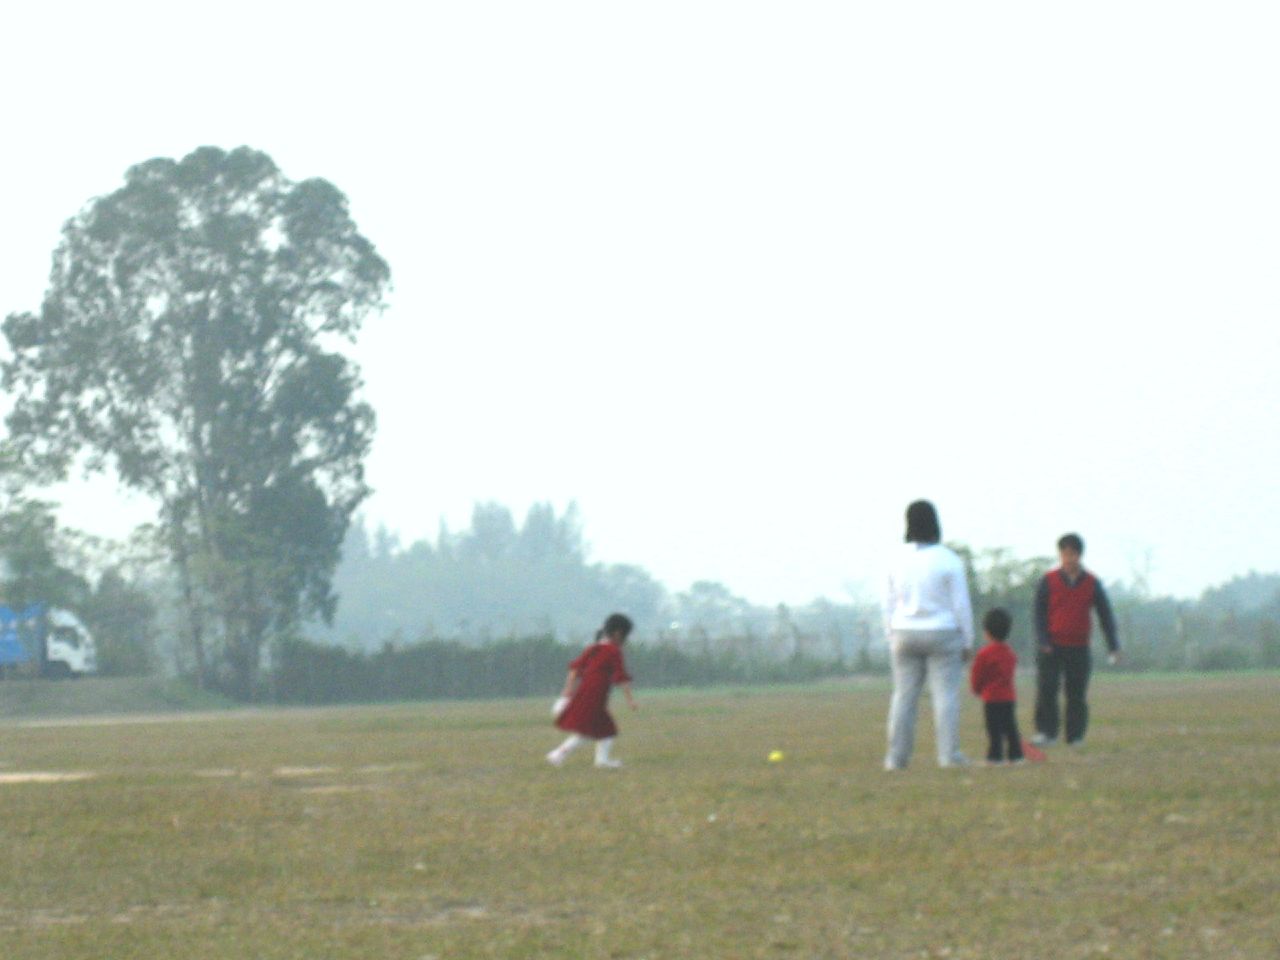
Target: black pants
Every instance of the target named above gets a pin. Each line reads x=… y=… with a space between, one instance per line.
x=1002 y=729
x=1068 y=668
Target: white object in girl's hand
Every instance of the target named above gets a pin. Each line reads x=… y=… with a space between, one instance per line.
x=557 y=708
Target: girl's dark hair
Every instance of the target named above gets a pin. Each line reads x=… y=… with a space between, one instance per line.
x=617 y=626
x=922 y=523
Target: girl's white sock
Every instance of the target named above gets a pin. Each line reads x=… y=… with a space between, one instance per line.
x=558 y=755
x=603 y=750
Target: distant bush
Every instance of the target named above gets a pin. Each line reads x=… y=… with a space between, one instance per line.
x=1269 y=643
x=312 y=673
x=1225 y=656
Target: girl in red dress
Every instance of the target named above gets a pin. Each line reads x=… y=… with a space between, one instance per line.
x=586 y=694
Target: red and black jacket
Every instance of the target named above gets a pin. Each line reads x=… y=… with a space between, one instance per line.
x=1063 y=608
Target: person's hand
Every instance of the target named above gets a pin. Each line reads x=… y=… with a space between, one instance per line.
x=1047 y=650
x=1113 y=658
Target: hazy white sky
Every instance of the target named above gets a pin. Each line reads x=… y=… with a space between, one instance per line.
x=741 y=278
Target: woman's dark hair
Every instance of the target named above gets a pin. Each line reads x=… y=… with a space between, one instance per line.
x=922 y=523
x=618 y=626
x=1071 y=541
x=998 y=623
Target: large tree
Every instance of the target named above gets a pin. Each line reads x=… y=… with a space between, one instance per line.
x=191 y=341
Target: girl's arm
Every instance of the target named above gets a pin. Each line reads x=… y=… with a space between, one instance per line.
x=626 y=690
x=568 y=684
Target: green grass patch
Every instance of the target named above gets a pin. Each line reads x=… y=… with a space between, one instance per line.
x=438 y=830
x=102 y=695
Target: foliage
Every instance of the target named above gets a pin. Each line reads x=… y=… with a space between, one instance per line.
x=44 y=562
x=122 y=618
x=35 y=568
x=1253 y=593
x=36 y=562
x=318 y=673
x=999 y=579
x=493 y=579
x=498 y=578
x=189 y=342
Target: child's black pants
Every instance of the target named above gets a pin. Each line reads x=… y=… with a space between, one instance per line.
x=1002 y=731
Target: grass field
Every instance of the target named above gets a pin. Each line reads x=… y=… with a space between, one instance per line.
x=24 y=699
x=438 y=830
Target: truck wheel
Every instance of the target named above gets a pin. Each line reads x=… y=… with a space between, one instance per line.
x=57 y=670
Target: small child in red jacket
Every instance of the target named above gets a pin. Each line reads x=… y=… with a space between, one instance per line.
x=992 y=679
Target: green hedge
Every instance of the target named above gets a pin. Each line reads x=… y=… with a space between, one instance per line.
x=310 y=673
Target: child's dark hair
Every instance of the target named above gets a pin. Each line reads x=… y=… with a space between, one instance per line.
x=618 y=626
x=1071 y=541
x=998 y=623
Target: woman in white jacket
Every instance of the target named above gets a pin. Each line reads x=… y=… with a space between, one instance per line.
x=929 y=621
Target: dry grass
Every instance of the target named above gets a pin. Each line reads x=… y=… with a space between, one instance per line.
x=439 y=831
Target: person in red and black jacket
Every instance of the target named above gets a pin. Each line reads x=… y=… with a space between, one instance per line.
x=1065 y=601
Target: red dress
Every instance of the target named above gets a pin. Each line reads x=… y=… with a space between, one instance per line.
x=598 y=667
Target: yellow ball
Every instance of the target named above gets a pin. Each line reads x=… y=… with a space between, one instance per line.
x=776 y=756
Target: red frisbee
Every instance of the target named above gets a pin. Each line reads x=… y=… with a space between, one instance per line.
x=1032 y=753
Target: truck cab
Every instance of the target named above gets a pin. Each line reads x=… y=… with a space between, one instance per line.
x=47 y=641
x=69 y=646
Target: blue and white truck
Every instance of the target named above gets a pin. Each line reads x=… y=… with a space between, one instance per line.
x=45 y=641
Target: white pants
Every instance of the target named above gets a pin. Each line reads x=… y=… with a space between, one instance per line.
x=936 y=655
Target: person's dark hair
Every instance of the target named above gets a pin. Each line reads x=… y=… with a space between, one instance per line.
x=1071 y=541
x=618 y=627
x=998 y=623
x=922 y=523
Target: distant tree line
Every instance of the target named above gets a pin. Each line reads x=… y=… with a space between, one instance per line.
x=519 y=613
x=500 y=580
x=1235 y=626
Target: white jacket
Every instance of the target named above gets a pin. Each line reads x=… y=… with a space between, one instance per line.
x=927 y=591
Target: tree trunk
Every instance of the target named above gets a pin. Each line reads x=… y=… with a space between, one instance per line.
x=195 y=622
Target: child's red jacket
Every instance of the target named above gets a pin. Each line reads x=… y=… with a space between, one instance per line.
x=991 y=675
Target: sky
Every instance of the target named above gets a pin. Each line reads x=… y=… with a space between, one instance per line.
x=743 y=279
